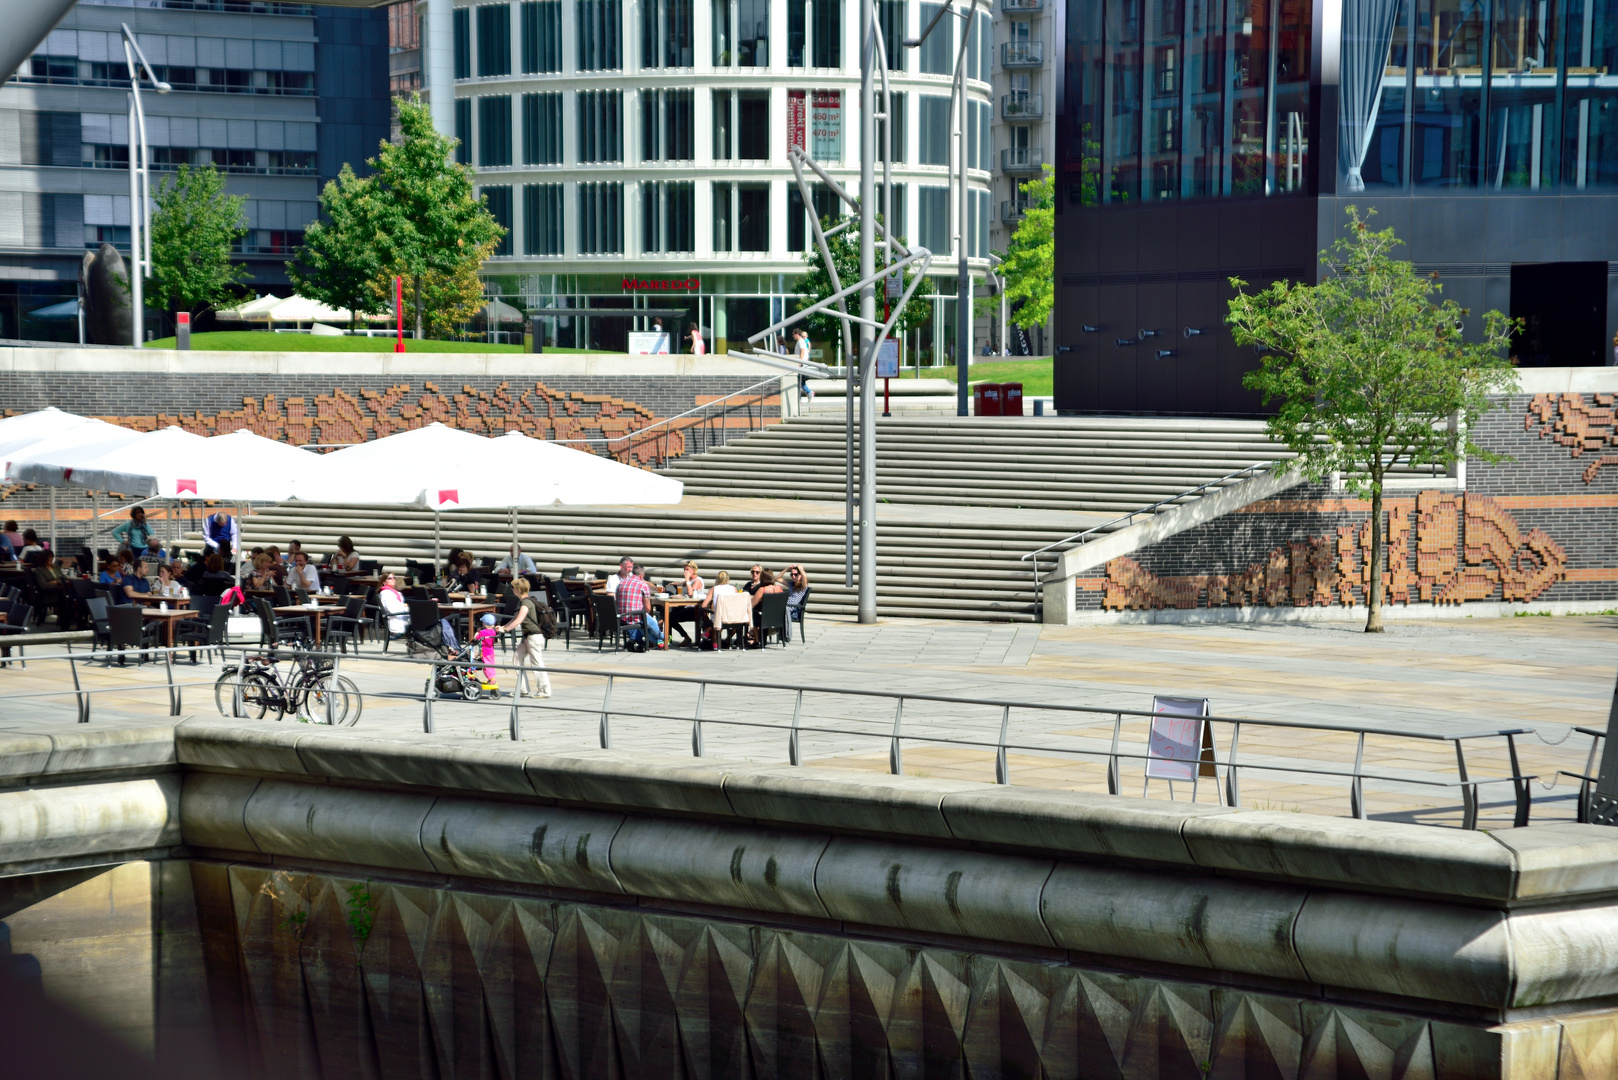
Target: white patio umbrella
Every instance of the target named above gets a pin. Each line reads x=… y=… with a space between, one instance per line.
x=76 y=436
x=442 y=468
x=33 y=426
x=257 y=310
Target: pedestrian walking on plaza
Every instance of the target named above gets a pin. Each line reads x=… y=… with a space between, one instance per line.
x=531 y=650
x=695 y=334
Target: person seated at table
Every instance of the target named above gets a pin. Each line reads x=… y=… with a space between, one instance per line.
x=465 y=577
x=766 y=585
x=7 y=552
x=220 y=534
x=756 y=574
x=626 y=566
x=796 y=580
x=30 y=544
x=50 y=588
x=167 y=585
x=278 y=564
x=12 y=536
x=693 y=587
x=135 y=532
x=303 y=573
x=262 y=577
x=640 y=626
x=213 y=581
x=153 y=551
x=113 y=577
x=138 y=583
x=393 y=604
x=345 y=561
x=516 y=562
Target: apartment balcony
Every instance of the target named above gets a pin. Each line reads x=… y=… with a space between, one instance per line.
x=1022 y=54
x=1021 y=7
x=1022 y=106
x=1024 y=159
x=1012 y=210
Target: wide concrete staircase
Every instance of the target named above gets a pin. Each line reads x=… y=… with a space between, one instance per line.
x=960 y=501
x=1103 y=465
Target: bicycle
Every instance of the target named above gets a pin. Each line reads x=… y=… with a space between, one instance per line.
x=307 y=691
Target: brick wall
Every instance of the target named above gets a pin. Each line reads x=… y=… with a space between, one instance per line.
x=347 y=408
x=1538 y=526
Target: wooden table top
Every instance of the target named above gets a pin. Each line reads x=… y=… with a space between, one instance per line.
x=171 y=613
x=153 y=601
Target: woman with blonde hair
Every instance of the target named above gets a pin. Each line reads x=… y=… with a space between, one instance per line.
x=693 y=587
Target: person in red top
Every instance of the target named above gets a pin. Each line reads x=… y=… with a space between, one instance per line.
x=635 y=607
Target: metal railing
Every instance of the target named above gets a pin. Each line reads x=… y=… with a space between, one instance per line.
x=1124 y=520
x=1012 y=210
x=1210 y=762
x=1022 y=159
x=1022 y=53
x=1022 y=106
x=706 y=426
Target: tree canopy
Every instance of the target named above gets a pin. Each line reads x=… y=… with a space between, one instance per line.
x=339 y=263
x=195 y=227
x=1029 y=265
x=1371 y=370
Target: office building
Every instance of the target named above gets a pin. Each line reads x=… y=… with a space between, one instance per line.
x=275 y=95
x=1205 y=139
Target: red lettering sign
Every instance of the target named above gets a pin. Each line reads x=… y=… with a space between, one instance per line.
x=661 y=284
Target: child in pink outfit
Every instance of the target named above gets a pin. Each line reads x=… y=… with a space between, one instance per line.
x=486 y=636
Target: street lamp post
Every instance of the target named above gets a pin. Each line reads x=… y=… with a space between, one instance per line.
x=140 y=187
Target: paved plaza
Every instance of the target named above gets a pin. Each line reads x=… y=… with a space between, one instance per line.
x=1547 y=675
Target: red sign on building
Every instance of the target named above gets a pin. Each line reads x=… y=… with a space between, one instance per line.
x=661 y=284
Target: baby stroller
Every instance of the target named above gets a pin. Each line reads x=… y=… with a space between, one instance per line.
x=429 y=635
x=463 y=675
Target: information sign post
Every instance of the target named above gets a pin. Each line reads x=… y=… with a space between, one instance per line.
x=887 y=367
x=1180 y=744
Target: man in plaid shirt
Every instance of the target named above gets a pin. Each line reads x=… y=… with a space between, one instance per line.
x=635 y=606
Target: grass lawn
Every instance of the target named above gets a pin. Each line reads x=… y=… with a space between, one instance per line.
x=264 y=341
x=1035 y=375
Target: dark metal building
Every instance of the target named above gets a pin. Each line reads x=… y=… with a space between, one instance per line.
x=1201 y=140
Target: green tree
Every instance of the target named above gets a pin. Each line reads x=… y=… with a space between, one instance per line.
x=1370 y=369
x=430 y=226
x=815 y=286
x=339 y=262
x=1029 y=265
x=194 y=228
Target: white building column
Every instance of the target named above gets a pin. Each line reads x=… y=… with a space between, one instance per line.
x=438 y=55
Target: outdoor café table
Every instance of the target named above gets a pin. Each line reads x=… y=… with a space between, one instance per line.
x=364 y=581
x=316 y=614
x=671 y=601
x=169 y=618
x=471 y=611
x=151 y=601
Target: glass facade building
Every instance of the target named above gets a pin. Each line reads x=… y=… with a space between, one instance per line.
x=1201 y=139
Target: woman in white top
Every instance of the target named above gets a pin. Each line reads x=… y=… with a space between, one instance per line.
x=346 y=561
x=697 y=347
x=393 y=602
x=692 y=587
x=166 y=585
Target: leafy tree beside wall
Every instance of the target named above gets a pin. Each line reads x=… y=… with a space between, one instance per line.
x=1029 y=265
x=1371 y=371
x=195 y=227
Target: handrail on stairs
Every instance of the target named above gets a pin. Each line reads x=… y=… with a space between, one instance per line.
x=700 y=417
x=1080 y=538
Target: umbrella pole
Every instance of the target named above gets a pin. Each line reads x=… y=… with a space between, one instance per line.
x=514 y=540
x=53 y=520
x=95 y=519
x=435 y=545
x=236 y=555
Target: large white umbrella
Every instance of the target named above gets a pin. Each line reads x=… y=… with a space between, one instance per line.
x=131 y=467
x=175 y=464
x=77 y=438
x=442 y=468
x=19 y=433
x=257 y=310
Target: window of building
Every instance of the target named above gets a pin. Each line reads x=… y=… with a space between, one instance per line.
x=741 y=33
x=494 y=39
x=542 y=37
x=668 y=216
x=933 y=203
x=542 y=129
x=463 y=130
x=980 y=48
x=977 y=206
x=800 y=235
x=891 y=15
x=897 y=127
x=938 y=51
x=665 y=34
x=543 y=219
x=600 y=32
x=815 y=32
x=667 y=125
x=741 y=124
x=895 y=221
x=741 y=217
x=601 y=219
x=498 y=200
x=600 y=126
x=978 y=150
x=463 y=43
x=494 y=130
x=404 y=29
x=933 y=130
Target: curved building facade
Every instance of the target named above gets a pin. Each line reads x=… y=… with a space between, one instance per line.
x=637 y=152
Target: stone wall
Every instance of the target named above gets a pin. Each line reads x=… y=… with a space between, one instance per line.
x=1539 y=526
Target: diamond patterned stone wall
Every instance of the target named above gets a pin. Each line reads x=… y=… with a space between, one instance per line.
x=345 y=977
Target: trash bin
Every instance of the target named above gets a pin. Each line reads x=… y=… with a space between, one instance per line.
x=986 y=399
x=1011 y=399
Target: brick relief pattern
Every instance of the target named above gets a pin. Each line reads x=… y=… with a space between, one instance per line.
x=1494 y=558
x=1568 y=420
x=461 y=984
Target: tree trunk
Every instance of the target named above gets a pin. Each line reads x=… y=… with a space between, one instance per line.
x=415 y=285
x=1373 y=621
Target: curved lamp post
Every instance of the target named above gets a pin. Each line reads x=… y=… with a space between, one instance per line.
x=140 y=187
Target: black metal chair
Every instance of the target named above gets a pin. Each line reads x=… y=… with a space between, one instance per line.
x=16 y=622
x=771 y=615
x=566 y=611
x=799 y=613
x=100 y=624
x=439 y=593
x=282 y=597
x=606 y=620
x=370 y=567
x=213 y=634
x=344 y=628
x=130 y=630
x=509 y=606
x=275 y=629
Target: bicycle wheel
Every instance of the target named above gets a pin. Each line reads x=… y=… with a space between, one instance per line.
x=343 y=698
x=258 y=694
